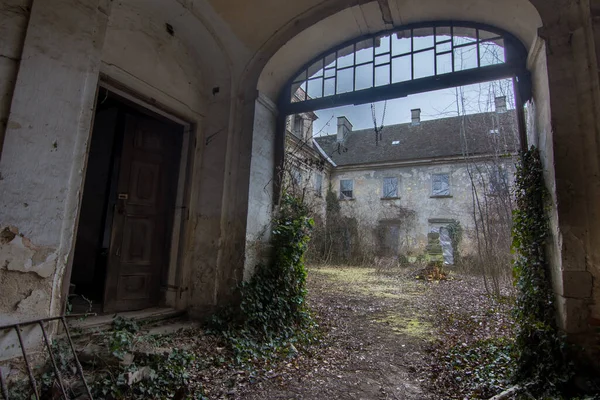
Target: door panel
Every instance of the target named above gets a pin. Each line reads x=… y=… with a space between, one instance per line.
x=141 y=225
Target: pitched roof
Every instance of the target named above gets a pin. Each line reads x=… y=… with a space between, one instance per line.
x=485 y=133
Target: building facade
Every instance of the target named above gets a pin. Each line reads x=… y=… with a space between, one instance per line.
x=422 y=177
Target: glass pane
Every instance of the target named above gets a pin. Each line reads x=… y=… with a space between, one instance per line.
x=422 y=38
x=329 y=73
x=464 y=35
x=384 y=59
x=424 y=64
x=401 y=43
x=491 y=52
x=301 y=77
x=382 y=45
x=382 y=75
x=364 y=51
x=345 y=78
x=329 y=87
x=442 y=33
x=465 y=57
x=484 y=35
x=444 y=63
x=330 y=60
x=298 y=91
x=401 y=69
x=443 y=47
x=440 y=185
x=346 y=184
x=345 y=57
x=390 y=187
x=315 y=88
x=316 y=69
x=364 y=76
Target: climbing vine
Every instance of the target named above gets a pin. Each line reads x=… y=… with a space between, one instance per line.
x=272 y=314
x=539 y=345
x=455 y=232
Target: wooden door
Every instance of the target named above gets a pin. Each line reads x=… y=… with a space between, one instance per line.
x=139 y=248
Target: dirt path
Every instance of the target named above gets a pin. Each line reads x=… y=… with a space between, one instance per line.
x=377 y=331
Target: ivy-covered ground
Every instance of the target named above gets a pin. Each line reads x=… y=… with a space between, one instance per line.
x=391 y=336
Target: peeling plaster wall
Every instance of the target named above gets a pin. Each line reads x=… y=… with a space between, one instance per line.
x=14 y=15
x=42 y=158
x=260 y=203
x=414 y=191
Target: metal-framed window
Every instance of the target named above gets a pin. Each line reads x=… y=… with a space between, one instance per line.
x=390 y=187
x=346 y=189
x=407 y=60
x=440 y=185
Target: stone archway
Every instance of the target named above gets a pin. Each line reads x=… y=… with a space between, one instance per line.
x=563 y=122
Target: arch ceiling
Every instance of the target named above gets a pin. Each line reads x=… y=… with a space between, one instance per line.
x=518 y=17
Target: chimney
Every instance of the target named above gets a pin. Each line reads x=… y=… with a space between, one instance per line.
x=500 y=104
x=415 y=115
x=343 y=128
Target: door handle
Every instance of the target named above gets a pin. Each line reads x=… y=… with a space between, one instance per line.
x=122 y=197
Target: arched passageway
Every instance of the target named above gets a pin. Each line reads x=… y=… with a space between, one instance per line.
x=317 y=32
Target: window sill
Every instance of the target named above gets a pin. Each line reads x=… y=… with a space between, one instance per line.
x=348 y=199
x=441 y=196
x=390 y=198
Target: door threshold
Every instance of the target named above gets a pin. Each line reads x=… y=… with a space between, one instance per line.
x=146 y=316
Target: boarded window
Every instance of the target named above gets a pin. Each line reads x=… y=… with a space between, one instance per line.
x=440 y=185
x=346 y=188
x=390 y=187
x=319 y=184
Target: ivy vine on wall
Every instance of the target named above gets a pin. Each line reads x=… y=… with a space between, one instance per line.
x=539 y=345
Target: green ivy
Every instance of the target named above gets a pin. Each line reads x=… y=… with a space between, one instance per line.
x=455 y=231
x=540 y=347
x=272 y=314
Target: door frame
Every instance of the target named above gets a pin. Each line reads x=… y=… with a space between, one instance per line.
x=170 y=294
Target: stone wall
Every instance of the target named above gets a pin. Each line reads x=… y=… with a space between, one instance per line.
x=416 y=210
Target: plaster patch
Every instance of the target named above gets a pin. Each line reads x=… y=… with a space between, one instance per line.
x=20 y=255
x=34 y=304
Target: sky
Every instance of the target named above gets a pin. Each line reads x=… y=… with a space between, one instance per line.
x=433 y=105
x=392 y=59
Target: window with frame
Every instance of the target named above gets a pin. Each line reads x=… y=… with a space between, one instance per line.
x=346 y=189
x=319 y=185
x=440 y=185
x=390 y=187
x=298 y=128
x=498 y=181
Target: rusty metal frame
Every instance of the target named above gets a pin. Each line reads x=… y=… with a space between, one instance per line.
x=32 y=381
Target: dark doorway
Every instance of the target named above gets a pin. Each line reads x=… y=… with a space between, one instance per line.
x=123 y=237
